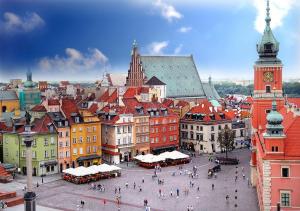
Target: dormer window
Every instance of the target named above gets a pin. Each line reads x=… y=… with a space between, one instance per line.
x=77 y=119
x=51 y=128
x=59 y=124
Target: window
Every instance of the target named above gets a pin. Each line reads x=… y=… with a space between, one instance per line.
x=67 y=154
x=212 y=128
x=157 y=139
x=94 y=149
x=60 y=134
x=94 y=138
x=80 y=150
x=60 y=144
x=268 y=89
x=74 y=140
x=46 y=154
x=88 y=129
x=52 y=153
x=129 y=139
x=129 y=129
x=77 y=119
x=285 y=198
x=124 y=140
x=119 y=141
x=74 y=130
x=152 y=140
x=94 y=128
x=88 y=150
x=80 y=129
x=61 y=154
x=192 y=128
x=80 y=139
x=75 y=151
x=212 y=137
x=192 y=135
x=52 y=168
x=274 y=149
x=146 y=139
x=164 y=139
x=152 y=130
x=201 y=128
x=182 y=126
x=242 y=133
x=67 y=133
x=23 y=153
x=67 y=143
x=124 y=129
x=156 y=130
x=171 y=138
x=45 y=142
x=220 y=127
x=34 y=154
x=268 y=111
x=34 y=142
x=52 y=140
x=175 y=138
x=88 y=139
x=285 y=171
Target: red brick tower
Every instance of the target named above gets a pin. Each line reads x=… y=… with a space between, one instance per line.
x=136 y=76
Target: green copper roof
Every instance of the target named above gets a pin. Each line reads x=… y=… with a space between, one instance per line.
x=210 y=91
x=268 y=47
x=179 y=73
x=215 y=103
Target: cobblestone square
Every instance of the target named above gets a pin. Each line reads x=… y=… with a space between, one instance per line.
x=62 y=195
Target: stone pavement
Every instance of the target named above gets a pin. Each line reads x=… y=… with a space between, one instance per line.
x=62 y=195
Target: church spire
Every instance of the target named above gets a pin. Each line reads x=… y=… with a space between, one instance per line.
x=268 y=18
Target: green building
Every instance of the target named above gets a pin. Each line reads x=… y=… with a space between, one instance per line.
x=30 y=95
x=44 y=147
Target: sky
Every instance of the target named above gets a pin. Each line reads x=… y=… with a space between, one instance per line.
x=79 y=40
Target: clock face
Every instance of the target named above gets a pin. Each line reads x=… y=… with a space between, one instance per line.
x=268 y=77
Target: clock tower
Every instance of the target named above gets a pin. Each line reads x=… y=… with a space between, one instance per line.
x=267 y=87
x=267 y=77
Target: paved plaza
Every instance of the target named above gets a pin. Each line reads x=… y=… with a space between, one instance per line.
x=62 y=195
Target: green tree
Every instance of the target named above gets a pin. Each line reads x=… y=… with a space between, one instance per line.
x=226 y=139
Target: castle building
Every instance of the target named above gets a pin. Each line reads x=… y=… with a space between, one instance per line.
x=275 y=160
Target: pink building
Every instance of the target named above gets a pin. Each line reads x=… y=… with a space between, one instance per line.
x=275 y=161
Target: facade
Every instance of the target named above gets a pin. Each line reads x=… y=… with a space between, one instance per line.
x=200 y=127
x=43 y=85
x=44 y=147
x=85 y=134
x=63 y=140
x=117 y=134
x=275 y=161
x=163 y=127
x=37 y=112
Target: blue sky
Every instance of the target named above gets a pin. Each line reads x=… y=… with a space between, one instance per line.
x=78 y=40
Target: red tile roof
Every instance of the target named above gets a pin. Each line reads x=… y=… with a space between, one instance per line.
x=104 y=97
x=131 y=92
x=295 y=101
x=168 y=102
x=38 y=108
x=68 y=107
x=182 y=103
x=52 y=102
x=113 y=97
x=93 y=108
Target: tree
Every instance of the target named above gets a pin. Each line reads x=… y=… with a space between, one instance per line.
x=226 y=139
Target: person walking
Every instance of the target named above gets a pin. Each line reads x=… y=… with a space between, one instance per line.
x=116 y=190
x=143 y=180
x=159 y=191
x=134 y=185
x=119 y=190
x=177 y=192
x=213 y=186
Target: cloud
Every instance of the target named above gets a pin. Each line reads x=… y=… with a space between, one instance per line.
x=157 y=47
x=14 y=23
x=168 y=11
x=178 y=49
x=74 y=60
x=279 y=10
x=185 y=29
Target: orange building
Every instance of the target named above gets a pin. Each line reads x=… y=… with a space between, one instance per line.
x=85 y=137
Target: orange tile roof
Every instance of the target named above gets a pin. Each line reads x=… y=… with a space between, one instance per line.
x=52 y=102
x=104 y=97
x=93 y=108
x=295 y=101
x=68 y=107
x=113 y=97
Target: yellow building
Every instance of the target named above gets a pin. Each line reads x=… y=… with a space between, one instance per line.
x=9 y=102
x=85 y=134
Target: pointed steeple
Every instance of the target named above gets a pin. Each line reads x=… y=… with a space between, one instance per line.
x=268 y=47
x=134 y=47
x=28 y=83
x=29 y=75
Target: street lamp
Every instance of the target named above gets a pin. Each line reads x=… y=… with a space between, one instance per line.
x=29 y=196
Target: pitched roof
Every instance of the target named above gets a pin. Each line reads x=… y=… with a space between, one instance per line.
x=131 y=92
x=155 y=81
x=93 y=108
x=104 y=97
x=178 y=72
x=210 y=91
x=38 y=108
x=182 y=103
x=8 y=95
x=295 y=101
x=116 y=79
x=113 y=97
x=68 y=107
x=168 y=102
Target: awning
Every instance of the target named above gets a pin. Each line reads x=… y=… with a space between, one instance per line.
x=164 y=148
x=48 y=163
x=88 y=157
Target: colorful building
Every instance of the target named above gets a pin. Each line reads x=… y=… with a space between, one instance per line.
x=85 y=134
x=44 y=147
x=275 y=161
x=9 y=102
x=63 y=140
x=117 y=134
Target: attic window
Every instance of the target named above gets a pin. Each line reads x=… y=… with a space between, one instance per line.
x=77 y=119
x=268 y=46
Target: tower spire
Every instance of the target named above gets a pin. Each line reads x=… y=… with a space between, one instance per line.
x=268 y=18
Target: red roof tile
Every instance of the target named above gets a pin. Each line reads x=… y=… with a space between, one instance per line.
x=113 y=97
x=168 y=102
x=68 y=107
x=295 y=101
x=104 y=97
x=52 y=102
x=93 y=108
x=38 y=108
